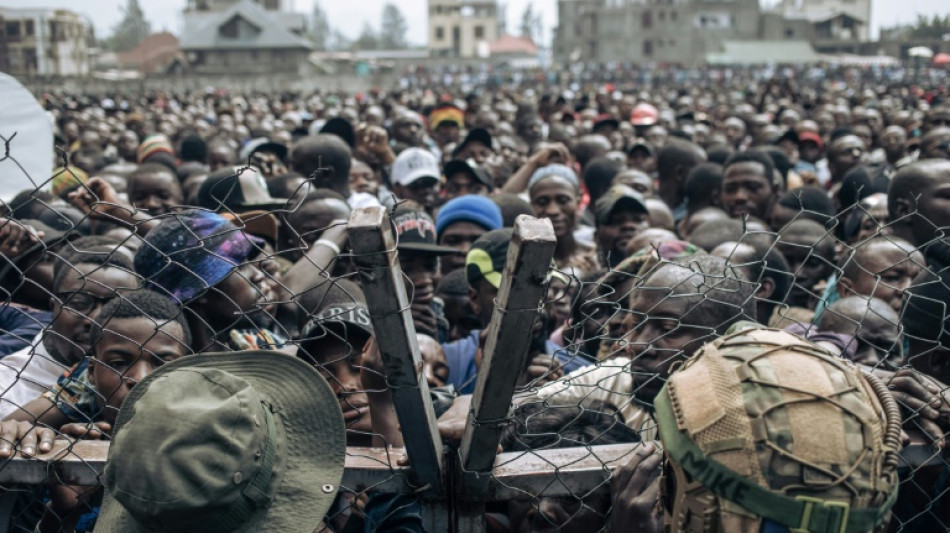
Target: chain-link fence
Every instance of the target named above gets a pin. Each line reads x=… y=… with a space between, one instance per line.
x=554 y=393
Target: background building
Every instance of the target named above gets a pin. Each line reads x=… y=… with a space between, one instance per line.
x=44 y=42
x=247 y=36
x=152 y=56
x=462 y=28
x=696 y=31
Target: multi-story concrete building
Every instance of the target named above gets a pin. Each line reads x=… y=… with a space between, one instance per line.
x=690 y=31
x=835 y=19
x=674 y=31
x=462 y=28
x=44 y=42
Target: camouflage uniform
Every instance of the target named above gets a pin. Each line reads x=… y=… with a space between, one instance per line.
x=765 y=427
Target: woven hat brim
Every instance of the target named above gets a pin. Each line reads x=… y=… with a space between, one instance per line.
x=315 y=439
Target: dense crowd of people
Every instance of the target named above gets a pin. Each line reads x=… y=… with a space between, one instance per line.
x=749 y=286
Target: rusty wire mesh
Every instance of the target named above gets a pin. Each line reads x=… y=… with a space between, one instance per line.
x=573 y=427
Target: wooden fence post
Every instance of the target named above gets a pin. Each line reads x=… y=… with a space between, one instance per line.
x=374 y=252
x=523 y=283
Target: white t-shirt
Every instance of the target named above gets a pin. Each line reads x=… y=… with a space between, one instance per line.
x=611 y=382
x=25 y=375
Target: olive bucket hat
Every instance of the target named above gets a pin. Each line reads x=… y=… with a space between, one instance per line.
x=240 y=441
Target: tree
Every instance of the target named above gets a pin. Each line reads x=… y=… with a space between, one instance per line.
x=132 y=29
x=934 y=28
x=338 y=42
x=320 y=28
x=529 y=21
x=368 y=39
x=392 y=30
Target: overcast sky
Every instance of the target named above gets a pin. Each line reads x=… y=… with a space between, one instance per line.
x=349 y=16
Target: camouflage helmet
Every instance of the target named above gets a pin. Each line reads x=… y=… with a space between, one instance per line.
x=762 y=425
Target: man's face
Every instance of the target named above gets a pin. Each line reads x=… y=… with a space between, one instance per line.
x=663 y=328
x=476 y=151
x=790 y=149
x=657 y=136
x=886 y=273
x=338 y=361
x=423 y=191
x=156 y=192
x=76 y=303
x=933 y=206
x=636 y=180
x=482 y=299
x=555 y=199
x=845 y=153
x=879 y=339
x=435 y=367
x=446 y=132
x=746 y=190
x=734 y=129
x=421 y=271
x=463 y=183
x=363 y=179
x=462 y=318
x=129 y=350
x=409 y=131
x=893 y=141
x=246 y=298
x=808 y=265
x=641 y=160
x=613 y=235
x=809 y=151
x=936 y=145
x=461 y=236
x=557 y=303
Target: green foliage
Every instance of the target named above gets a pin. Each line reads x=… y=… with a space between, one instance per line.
x=530 y=23
x=320 y=33
x=393 y=29
x=930 y=28
x=368 y=39
x=527 y=20
x=131 y=30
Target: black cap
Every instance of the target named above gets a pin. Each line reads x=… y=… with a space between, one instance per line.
x=263 y=144
x=336 y=310
x=486 y=259
x=789 y=135
x=618 y=197
x=415 y=232
x=641 y=146
x=342 y=128
x=456 y=166
x=479 y=135
x=237 y=190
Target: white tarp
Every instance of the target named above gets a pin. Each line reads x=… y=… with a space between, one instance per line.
x=26 y=161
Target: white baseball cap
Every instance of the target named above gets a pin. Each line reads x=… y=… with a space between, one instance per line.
x=413 y=164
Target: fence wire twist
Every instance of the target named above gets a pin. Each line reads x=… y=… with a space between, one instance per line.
x=599 y=350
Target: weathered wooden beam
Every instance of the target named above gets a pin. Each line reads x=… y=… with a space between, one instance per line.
x=374 y=252
x=81 y=463
x=559 y=472
x=523 y=283
x=564 y=472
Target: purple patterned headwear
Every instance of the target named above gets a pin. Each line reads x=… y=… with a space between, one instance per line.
x=191 y=251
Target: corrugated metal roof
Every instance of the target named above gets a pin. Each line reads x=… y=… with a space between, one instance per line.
x=271 y=33
x=753 y=52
